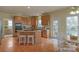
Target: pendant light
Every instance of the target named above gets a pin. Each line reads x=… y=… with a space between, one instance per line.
x=74 y=10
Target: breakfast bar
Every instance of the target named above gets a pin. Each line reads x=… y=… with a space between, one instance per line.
x=26 y=37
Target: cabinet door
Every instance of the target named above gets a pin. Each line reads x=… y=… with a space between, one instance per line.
x=44 y=33
x=45 y=20
x=33 y=21
x=18 y=19
x=24 y=20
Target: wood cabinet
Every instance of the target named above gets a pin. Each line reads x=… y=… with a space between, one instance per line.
x=28 y=21
x=25 y=21
x=44 y=33
x=45 y=20
x=33 y=21
x=21 y=20
x=18 y=19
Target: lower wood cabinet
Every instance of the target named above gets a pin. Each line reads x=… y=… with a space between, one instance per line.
x=44 y=33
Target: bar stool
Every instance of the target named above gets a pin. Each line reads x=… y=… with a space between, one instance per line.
x=30 y=39
x=22 y=39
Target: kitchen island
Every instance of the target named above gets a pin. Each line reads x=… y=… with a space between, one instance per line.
x=29 y=36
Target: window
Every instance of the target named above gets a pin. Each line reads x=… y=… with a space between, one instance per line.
x=55 y=28
x=39 y=23
x=72 y=25
x=10 y=24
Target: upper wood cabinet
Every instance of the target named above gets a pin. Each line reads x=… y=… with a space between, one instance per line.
x=18 y=19
x=33 y=21
x=23 y=20
x=45 y=20
x=28 y=21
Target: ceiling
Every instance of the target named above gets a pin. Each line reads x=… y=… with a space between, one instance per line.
x=32 y=11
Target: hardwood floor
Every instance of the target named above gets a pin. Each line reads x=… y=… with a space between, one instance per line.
x=10 y=44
